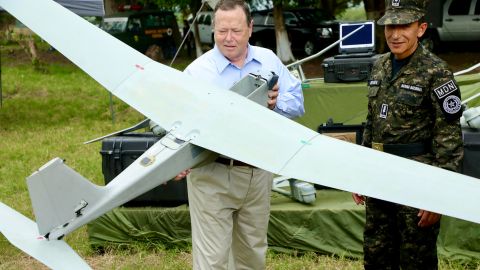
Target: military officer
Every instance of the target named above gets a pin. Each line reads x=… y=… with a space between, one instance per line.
x=413 y=111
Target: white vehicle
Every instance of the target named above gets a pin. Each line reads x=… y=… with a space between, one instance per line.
x=451 y=21
x=205 y=29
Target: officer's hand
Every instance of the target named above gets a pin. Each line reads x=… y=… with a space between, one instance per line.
x=358 y=199
x=272 y=97
x=427 y=218
x=182 y=175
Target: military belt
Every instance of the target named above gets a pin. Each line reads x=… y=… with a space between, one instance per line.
x=403 y=150
x=232 y=162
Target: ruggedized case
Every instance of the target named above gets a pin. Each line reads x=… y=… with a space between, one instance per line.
x=348 y=68
x=119 y=152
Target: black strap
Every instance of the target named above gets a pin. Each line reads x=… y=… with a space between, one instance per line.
x=407 y=150
x=227 y=161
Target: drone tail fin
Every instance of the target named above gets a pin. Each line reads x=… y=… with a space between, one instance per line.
x=59 y=194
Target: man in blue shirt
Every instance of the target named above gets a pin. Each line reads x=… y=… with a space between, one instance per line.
x=229 y=200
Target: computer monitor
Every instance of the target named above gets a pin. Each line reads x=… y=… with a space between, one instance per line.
x=360 y=42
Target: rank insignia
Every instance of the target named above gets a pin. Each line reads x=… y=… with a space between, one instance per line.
x=384 y=111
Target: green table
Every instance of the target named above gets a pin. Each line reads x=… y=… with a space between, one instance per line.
x=347 y=102
x=332 y=225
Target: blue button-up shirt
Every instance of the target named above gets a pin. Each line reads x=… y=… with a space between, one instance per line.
x=214 y=67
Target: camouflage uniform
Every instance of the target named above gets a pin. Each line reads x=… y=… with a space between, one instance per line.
x=421 y=103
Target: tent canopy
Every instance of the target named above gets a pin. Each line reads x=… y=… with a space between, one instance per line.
x=83 y=7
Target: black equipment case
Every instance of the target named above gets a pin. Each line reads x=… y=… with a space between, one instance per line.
x=352 y=133
x=471 y=147
x=119 y=152
x=348 y=68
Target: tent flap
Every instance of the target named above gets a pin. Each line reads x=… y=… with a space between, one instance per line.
x=83 y=7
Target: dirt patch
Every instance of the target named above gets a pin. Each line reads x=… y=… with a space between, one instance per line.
x=13 y=56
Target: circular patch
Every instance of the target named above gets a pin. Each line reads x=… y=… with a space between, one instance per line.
x=452 y=104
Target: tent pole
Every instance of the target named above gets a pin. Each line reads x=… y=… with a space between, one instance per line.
x=112 y=110
x=1 y=98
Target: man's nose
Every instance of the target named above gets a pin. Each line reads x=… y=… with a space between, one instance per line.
x=395 y=32
x=229 y=35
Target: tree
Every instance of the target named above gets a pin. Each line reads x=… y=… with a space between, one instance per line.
x=195 y=6
x=284 y=51
x=374 y=10
x=110 y=6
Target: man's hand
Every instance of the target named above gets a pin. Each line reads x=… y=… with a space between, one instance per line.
x=427 y=218
x=272 y=97
x=358 y=199
x=182 y=175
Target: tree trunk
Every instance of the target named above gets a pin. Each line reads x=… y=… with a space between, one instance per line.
x=328 y=5
x=198 y=45
x=110 y=6
x=32 y=48
x=284 y=51
x=195 y=6
x=28 y=45
x=27 y=42
x=374 y=10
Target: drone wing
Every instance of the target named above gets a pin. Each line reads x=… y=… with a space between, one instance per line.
x=229 y=124
x=23 y=233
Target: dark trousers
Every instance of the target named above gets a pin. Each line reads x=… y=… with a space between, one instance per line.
x=393 y=240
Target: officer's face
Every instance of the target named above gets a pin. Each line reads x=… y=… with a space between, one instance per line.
x=403 y=39
x=231 y=32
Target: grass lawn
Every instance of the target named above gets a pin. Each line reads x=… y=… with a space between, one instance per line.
x=50 y=113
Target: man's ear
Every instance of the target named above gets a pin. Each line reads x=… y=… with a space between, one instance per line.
x=422 y=27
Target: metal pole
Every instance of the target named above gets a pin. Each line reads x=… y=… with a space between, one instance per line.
x=188 y=32
x=471 y=98
x=112 y=111
x=1 y=98
x=466 y=70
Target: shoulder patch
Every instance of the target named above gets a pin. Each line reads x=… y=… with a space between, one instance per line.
x=445 y=89
x=374 y=82
x=452 y=104
x=449 y=100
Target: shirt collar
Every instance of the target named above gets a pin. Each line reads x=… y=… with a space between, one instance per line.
x=222 y=62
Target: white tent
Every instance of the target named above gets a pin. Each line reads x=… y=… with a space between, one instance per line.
x=83 y=7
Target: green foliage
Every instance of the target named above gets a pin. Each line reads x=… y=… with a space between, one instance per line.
x=168 y=4
x=355 y=13
x=334 y=7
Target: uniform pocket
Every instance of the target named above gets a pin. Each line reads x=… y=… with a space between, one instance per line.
x=409 y=105
x=373 y=91
x=410 y=98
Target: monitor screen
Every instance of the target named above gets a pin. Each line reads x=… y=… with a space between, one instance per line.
x=361 y=41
